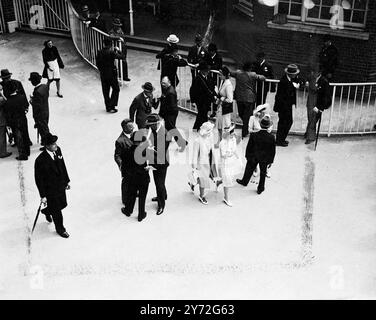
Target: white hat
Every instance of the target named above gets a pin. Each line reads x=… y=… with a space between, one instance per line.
x=262 y=107
x=206 y=128
x=173 y=38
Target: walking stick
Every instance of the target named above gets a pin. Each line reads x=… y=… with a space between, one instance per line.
x=318 y=131
x=36 y=218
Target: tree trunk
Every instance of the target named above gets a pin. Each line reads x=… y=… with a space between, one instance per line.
x=210 y=28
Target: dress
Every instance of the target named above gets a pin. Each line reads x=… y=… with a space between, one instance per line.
x=226 y=91
x=230 y=166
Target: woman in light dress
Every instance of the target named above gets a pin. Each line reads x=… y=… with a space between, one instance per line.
x=225 y=102
x=230 y=164
x=204 y=163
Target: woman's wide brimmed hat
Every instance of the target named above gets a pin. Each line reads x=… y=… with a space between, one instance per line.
x=266 y=122
x=206 y=127
x=172 y=38
x=262 y=107
x=147 y=86
x=116 y=22
x=292 y=69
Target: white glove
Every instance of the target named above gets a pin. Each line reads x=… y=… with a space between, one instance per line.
x=315 y=109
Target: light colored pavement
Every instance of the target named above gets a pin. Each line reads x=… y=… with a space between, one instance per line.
x=311 y=234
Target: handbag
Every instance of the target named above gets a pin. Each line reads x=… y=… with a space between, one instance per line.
x=227 y=108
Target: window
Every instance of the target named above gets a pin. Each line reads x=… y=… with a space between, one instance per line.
x=335 y=13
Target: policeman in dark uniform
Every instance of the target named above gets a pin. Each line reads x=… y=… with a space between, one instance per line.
x=262 y=67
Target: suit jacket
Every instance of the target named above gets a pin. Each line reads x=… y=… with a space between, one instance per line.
x=324 y=95
x=169 y=102
x=20 y=89
x=134 y=170
x=215 y=63
x=196 y=55
x=39 y=102
x=157 y=154
x=51 y=176
x=170 y=64
x=328 y=58
x=106 y=62
x=139 y=110
x=202 y=91
x=2 y=112
x=123 y=146
x=15 y=110
x=286 y=95
x=266 y=70
x=261 y=147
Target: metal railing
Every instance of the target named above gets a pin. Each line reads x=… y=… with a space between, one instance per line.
x=43 y=14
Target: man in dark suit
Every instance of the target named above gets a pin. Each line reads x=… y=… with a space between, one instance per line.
x=197 y=54
x=16 y=108
x=262 y=67
x=260 y=151
x=202 y=95
x=157 y=154
x=51 y=178
x=169 y=111
x=123 y=145
x=39 y=102
x=172 y=40
x=137 y=175
x=323 y=102
x=285 y=99
x=142 y=105
x=6 y=76
x=215 y=62
x=108 y=72
x=328 y=57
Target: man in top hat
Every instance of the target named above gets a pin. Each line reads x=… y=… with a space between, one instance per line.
x=328 y=57
x=158 y=157
x=3 y=129
x=202 y=94
x=108 y=72
x=262 y=67
x=171 y=41
x=197 y=54
x=123 y=146
x=51 y=178
x=285 y=99
x=118 y=34
x=260 y=151
x=16 y=108
x=142 y=105
x=39 y=102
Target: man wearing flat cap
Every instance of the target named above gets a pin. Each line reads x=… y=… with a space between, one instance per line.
x=285 y=99
x=52 y=180
x=39 y=102
x=158 y=157
x=123 y=146
x=142 y=105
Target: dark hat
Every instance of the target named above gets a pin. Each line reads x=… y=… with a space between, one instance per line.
x=198 y=38
x=292 y=69
x=117 y=22
x=49 y=139
x=265 y=122
x=203 y=66
x=85 y=8
x=147 y=86
x=212 y=47
x=4 y=73
x=35 y=76
x=127 y=126
x=152 y=118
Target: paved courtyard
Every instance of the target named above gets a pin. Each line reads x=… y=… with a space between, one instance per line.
x=311 y=234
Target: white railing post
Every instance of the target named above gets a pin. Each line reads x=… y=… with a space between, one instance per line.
x=131 y=31
x=331 y=110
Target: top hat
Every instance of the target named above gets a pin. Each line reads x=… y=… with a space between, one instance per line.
x=34 y=76
x=265 y=122
x=49 y=139
x=206 y=127
x=147 y=86
x=292 y=69
x=4 y=74
x=117 y=22
x=198 y=38
x=152 y=118
x=172 y=38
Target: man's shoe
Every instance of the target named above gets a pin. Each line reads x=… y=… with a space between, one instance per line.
x=112 y=110
x=281 y=144
x=308 y=141
x=159 y=211
x=127 y=79
x=59 y=95
x=22 y=158
x=128 y=214
x=240 y=181
x=48 y=218
x=203 y=200
x=286 y=141
x=6 y=155
x=142 y=217
x=259 y=191
x=63 y=234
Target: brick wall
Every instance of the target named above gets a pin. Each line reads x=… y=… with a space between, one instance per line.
x=8 y=11
x=244 y=38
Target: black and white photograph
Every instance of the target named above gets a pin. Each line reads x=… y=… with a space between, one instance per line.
x=183 y=150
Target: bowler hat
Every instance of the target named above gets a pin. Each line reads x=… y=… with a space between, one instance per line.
x=265 y=122
x=172 y=38
x=147 y=86
x=117 y=22
x=49 y=139
x=4 y=74
x=292 y=69
x=152 y=118
x=34 y=76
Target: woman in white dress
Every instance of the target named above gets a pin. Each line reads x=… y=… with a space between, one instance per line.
x=203 y=160
x=225 y=102
x=230 y=161
x=52 y=64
